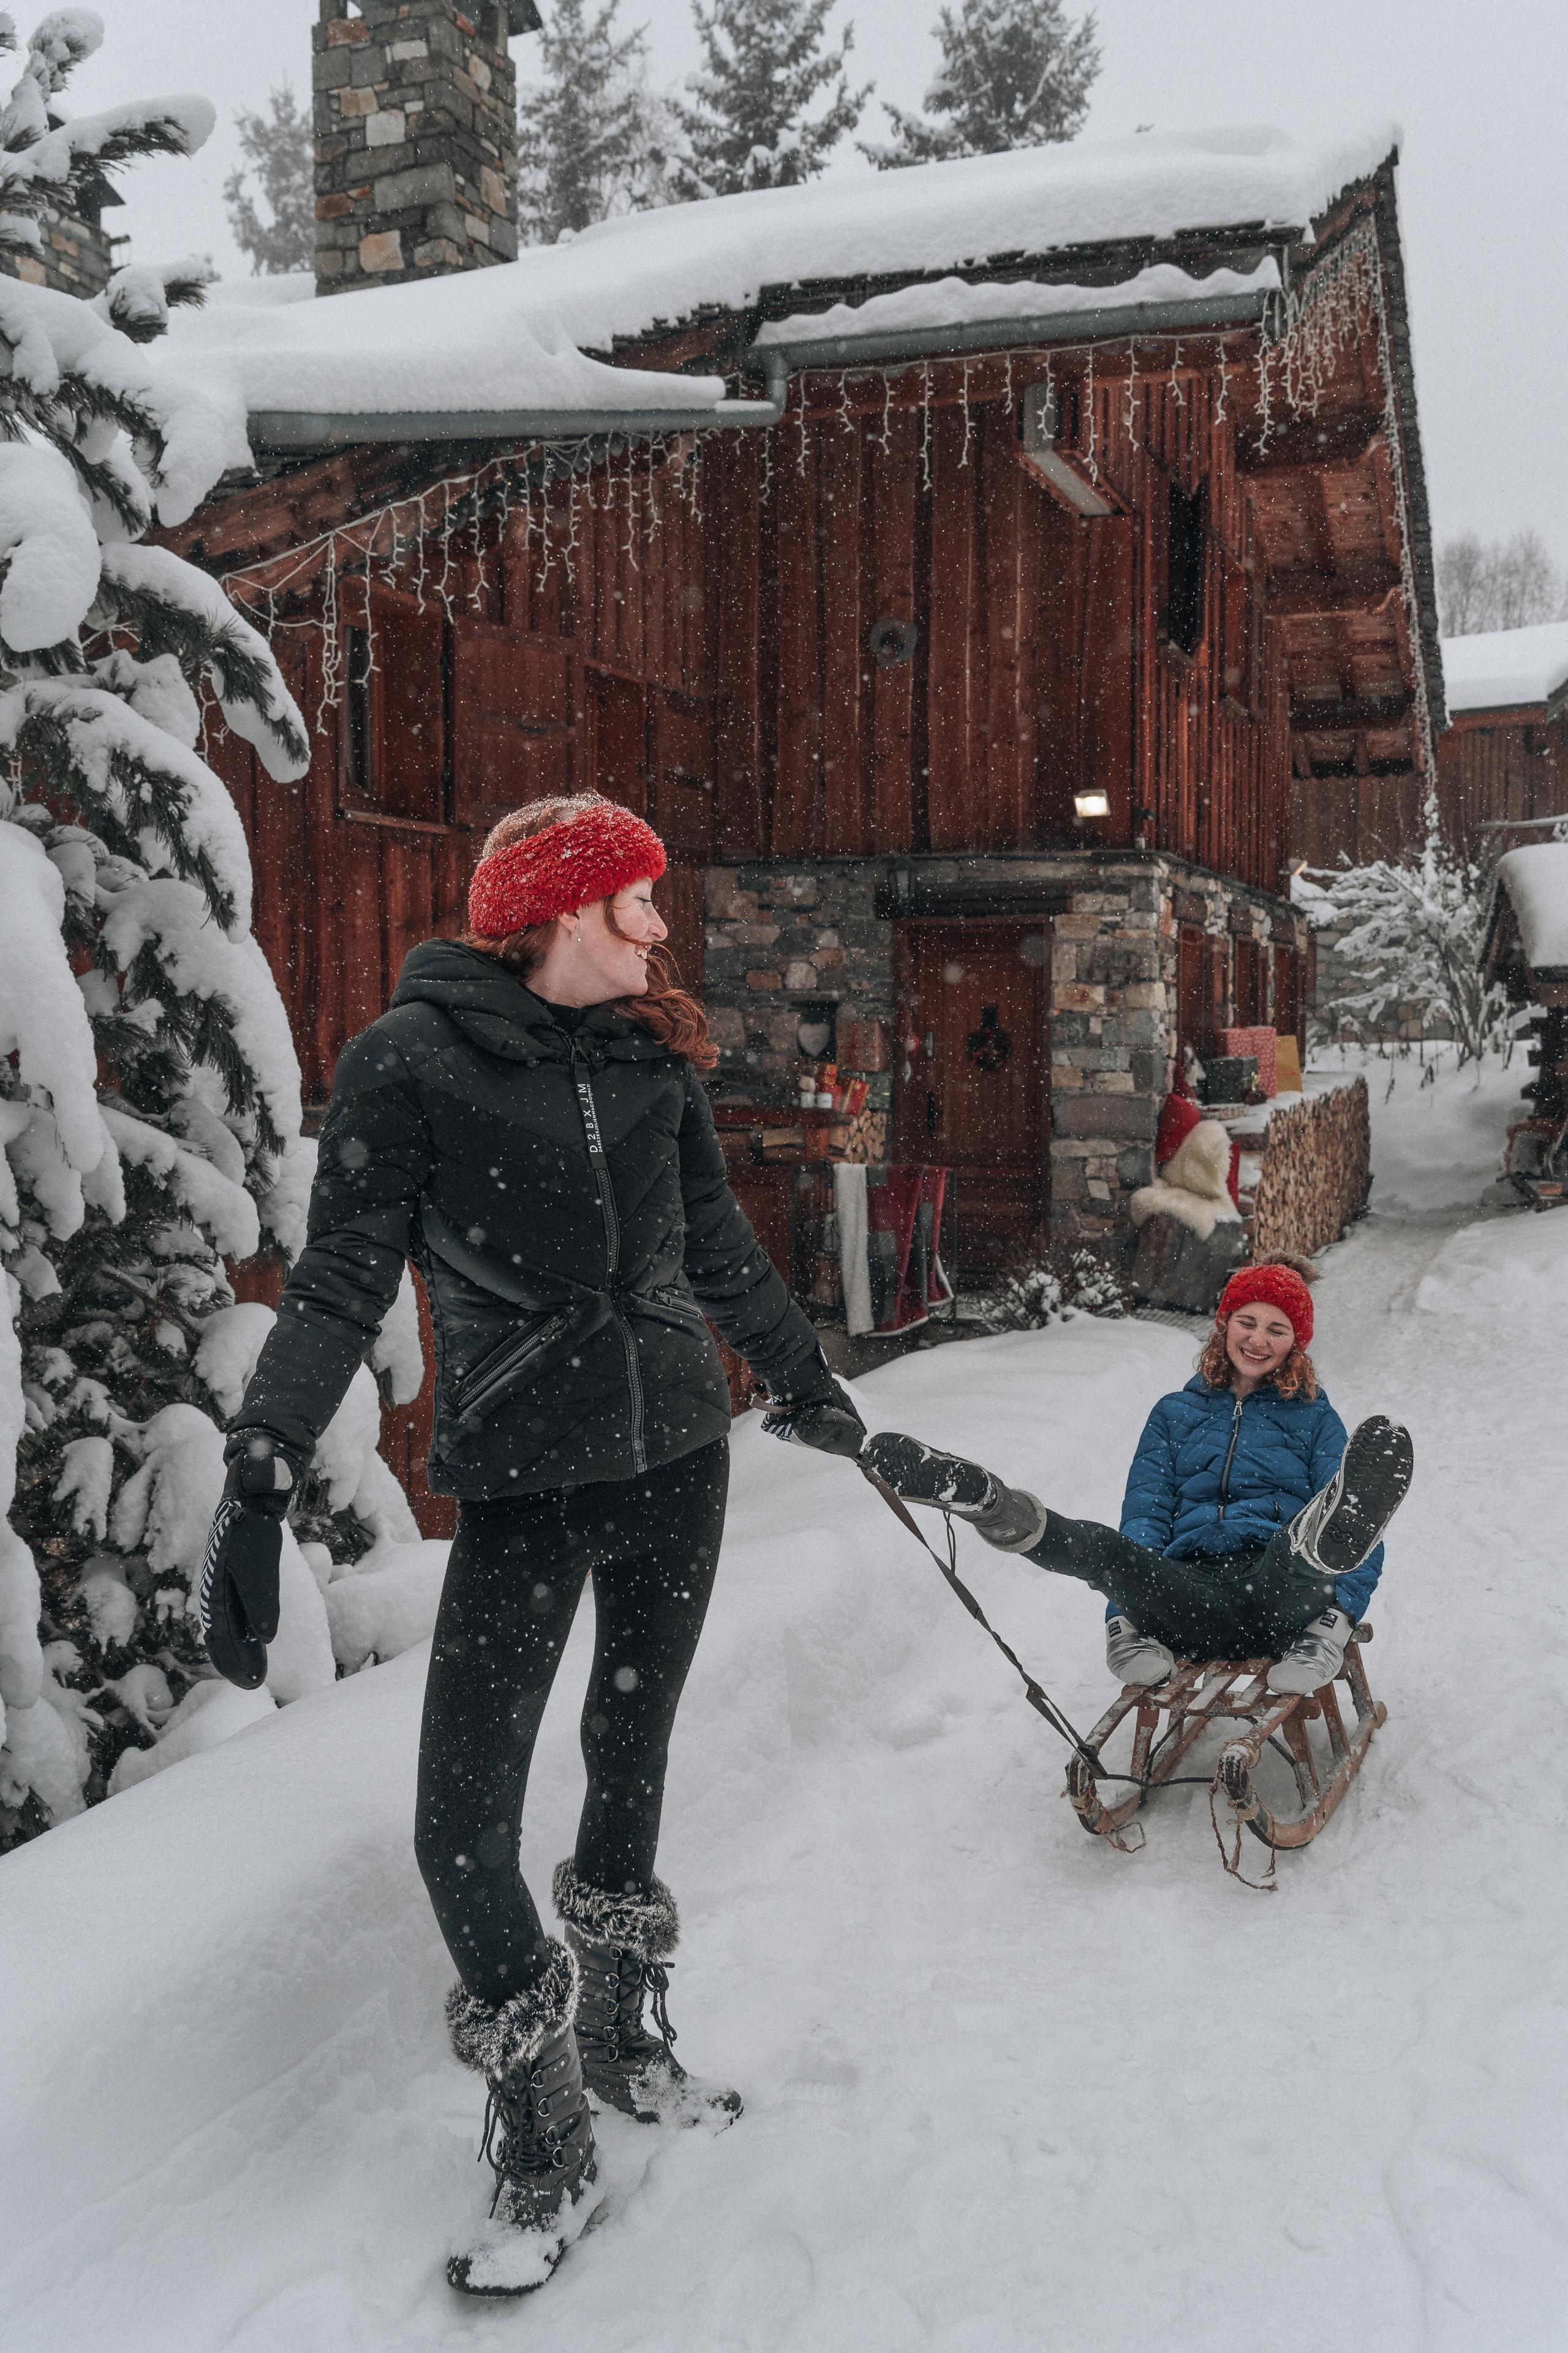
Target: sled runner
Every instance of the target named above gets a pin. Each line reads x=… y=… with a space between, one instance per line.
x=1205 y=1693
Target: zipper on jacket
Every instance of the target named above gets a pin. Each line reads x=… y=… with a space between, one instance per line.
x=612 y=1249
x=1230 y=1456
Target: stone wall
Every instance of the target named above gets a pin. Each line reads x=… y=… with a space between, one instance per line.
x=777 y=937
x=415 y=122
x=781 y=935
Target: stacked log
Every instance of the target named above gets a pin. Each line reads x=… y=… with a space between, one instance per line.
x=1316 y=1173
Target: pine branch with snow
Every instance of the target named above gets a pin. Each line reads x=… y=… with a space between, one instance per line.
x=149 y=1090
x=748 y=123
x=1014 y=73
x=590 y=139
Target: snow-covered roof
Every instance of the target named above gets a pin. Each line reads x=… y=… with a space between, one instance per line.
x=1536 y=882
x=515 y=335
x=1506 y=670
x=956 y=302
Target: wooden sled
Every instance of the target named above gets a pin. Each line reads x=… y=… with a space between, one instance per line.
x=1201 y=1693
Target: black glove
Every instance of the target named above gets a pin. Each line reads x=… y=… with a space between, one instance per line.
x=818 y=1411
x=239 y=1576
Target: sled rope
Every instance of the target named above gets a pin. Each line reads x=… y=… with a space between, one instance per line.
x=1040 y=1699
x=1268 y=1884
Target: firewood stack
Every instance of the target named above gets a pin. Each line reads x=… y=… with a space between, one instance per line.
x=1316 y=1173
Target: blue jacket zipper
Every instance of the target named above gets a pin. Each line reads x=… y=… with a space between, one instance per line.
x=612 y=1252
x=1230 y=1456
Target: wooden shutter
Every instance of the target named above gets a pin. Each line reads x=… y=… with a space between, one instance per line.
x=392 y=719
x=617 y=758
x=683 y=773
x=515 y=706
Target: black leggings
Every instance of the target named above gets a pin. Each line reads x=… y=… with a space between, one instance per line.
x=1250 y=1604
x=516 y=1575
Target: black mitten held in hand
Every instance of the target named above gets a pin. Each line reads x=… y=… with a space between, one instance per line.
x=820 y=1413
x=239 y=1576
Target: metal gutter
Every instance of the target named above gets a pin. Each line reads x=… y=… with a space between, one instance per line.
x=297 y=431
x=1113 y=323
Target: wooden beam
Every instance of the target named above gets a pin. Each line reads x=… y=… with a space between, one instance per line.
x=1315 y=442
x=1353 y=588
x=1350 y=718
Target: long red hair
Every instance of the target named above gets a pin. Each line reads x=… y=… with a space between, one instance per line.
x=1294 y=1377
x=668 y=1012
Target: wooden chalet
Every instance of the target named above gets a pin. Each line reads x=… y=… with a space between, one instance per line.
x=1502 y=761
x=991 y=578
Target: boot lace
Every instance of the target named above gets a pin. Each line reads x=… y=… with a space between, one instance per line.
x=507 y=2118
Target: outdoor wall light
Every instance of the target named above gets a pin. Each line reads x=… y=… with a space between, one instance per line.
x=1092 y=803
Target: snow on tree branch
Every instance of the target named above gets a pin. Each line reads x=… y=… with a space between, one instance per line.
x=150 y=1107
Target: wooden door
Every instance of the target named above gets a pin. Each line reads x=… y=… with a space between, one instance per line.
x=972 y=1094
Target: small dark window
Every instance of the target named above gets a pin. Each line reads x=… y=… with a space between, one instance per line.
x=1186 y=547
x=361 y=780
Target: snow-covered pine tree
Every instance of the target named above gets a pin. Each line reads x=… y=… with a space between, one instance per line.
x=748 y=124
x=149 y=1091
x=278 y=147
x=589 y=139
x=1416 y=928
x=1014 y=73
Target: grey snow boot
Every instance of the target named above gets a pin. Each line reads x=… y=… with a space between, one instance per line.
x=1008 y=1517
x=1135 y=1658
x=1334 y=1533
x=621 y=1944
x=1315 y=1657
x=538 y=2136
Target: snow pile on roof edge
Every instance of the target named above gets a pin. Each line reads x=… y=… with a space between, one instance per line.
x=1502 y=670
x=1536 y=881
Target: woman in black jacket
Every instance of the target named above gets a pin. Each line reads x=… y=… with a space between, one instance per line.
x=527 y=1127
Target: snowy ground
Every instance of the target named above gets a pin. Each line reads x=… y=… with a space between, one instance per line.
x=1006 y=2089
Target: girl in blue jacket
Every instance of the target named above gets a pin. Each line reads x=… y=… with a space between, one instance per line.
x=1250 y=1526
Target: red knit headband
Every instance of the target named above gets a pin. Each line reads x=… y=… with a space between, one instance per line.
x=1271 y=1286
x=562 y=866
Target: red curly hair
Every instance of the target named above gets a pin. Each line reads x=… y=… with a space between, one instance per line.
x=1294 y=1377
x=668 y=1011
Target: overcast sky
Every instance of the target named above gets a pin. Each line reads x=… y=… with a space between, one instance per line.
x=1478 y=90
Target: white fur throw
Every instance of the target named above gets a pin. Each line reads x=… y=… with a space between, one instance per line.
x=1191 y=1187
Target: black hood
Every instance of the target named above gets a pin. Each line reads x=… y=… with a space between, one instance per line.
x=498 y=1012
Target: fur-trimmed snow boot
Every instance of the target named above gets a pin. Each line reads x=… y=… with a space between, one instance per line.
x=1335 y=1532
x=538 y=2136
x=622 y=1946
x=1008 y=1517
x=1135 y=1658
x=1315 y=1657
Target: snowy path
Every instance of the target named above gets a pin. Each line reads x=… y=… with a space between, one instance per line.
x=1007 y=2088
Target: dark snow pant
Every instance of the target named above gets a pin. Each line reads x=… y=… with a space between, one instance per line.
x=1249 y=1604
x=517 y=1571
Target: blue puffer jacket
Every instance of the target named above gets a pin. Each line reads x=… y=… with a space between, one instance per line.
x=1214 y=1472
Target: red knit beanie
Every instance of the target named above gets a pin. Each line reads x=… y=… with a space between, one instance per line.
x=565 y=866
x=1271 y=1286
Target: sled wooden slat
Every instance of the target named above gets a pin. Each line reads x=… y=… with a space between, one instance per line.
x=1202 y=1693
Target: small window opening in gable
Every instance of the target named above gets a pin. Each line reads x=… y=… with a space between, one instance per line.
x=1186 y=547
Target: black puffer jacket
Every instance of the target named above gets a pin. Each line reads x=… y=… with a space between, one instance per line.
x=563 y=1194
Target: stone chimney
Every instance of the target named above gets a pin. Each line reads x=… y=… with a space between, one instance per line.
x=416 y=120
x=75 y=252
